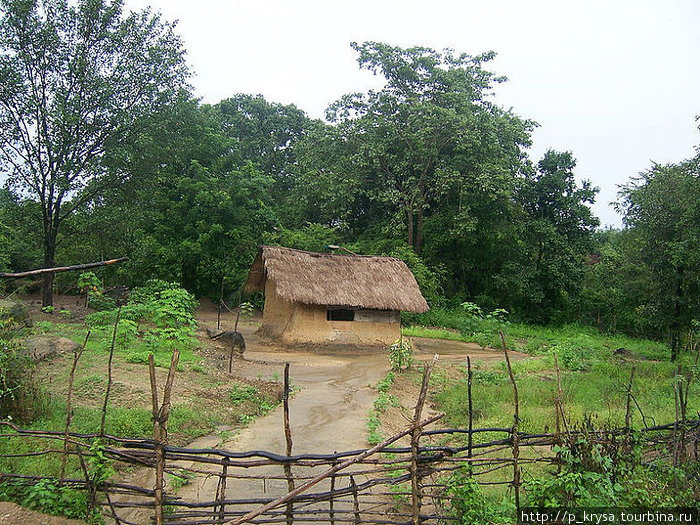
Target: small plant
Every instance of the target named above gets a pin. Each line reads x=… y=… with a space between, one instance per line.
x=181 y=479
x=48 y=309
x=374 y=437
x=400 y=355
x=241 y=392
x=245 y=419
x=17 y=388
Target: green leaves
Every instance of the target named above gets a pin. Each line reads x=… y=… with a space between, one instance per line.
x=662 y=212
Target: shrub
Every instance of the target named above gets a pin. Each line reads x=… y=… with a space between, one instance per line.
x=17 y=389
x=400 y=355
x=468 y=504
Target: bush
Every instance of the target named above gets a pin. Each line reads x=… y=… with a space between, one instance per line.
x=468 y=504
x=48 y=497
x=597 y=475
x=573 y=357
x=17 y=390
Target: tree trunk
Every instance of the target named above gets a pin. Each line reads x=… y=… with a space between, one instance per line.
x=409 y=226
x=49 y=262
x=677 y=312
x=418 y=247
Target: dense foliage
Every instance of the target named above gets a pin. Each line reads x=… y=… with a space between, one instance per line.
x=429 y=168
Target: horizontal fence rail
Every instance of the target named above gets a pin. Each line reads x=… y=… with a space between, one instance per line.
x=375 y=486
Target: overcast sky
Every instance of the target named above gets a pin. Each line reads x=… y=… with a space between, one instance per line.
x=616 y=82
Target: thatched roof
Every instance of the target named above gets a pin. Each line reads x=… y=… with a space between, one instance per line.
x=360 y=281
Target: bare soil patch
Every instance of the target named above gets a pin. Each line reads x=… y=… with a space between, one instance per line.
x=12 y=514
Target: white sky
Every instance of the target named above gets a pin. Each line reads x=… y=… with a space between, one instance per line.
x=616 y=82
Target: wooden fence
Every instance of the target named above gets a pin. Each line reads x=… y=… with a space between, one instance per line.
x=403 y=480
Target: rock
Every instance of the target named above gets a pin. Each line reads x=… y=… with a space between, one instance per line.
x=14 y=310
x=41 y=348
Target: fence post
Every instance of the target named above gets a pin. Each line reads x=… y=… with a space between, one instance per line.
x=109 y=371
x=416 y=492
x=69 y=409
x=514 y=431
x=355 y=501
x=470 y=439
x=288 y=437
x=160 y=429
x=628 y=408
x=331 y=505
x=221 y=490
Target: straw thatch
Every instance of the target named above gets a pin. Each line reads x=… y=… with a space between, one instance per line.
x=355 y=281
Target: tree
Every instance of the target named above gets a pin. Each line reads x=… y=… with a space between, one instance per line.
x=556 y=228
x=428 y=133
x=76 y=79
x=265 y=134
x=662 y=211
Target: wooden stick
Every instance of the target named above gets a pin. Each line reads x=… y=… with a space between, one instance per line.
x=628 y=408
x=415 y=442
x=470 y=439
x=154 y=394
x=288 y=438
x=355 y=501
x=69 y=409
x=221 y=492
x=516 y=420
x=158 y=489
x=58 y=269
x=331 y=507
x=340 y=466
x=160 y=429
x=109 y=371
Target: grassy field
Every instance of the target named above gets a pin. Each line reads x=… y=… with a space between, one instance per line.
x=231 y=403
x=595 y=373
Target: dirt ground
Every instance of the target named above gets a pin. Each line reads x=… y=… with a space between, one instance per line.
x=12 y=514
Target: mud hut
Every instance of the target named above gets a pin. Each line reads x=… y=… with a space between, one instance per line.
x=332 y=298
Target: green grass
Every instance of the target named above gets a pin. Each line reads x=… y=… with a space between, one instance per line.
x=598 y=392
x=432 y=333
x=132 y=349
x=531 y=339
x=594 y=379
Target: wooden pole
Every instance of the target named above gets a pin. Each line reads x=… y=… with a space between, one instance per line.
x=355 y=501
x=221 y=490
x=416 y=492
x=628 y=408
x=69 y=409
x=160 y=429
x=470 y=439
x=109 y=371
x=288 y=438
x=514 y=430
x=58 y=269
x=331 y=500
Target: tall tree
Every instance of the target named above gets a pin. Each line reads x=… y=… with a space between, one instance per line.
x=556 y=230
x=430 y=131
x=75 y=80
x=265 y=134
x=662 y=210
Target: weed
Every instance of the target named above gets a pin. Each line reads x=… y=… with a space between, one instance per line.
x=181 y=479
x=245 y=419
x=241 y=392
x=400 y=355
